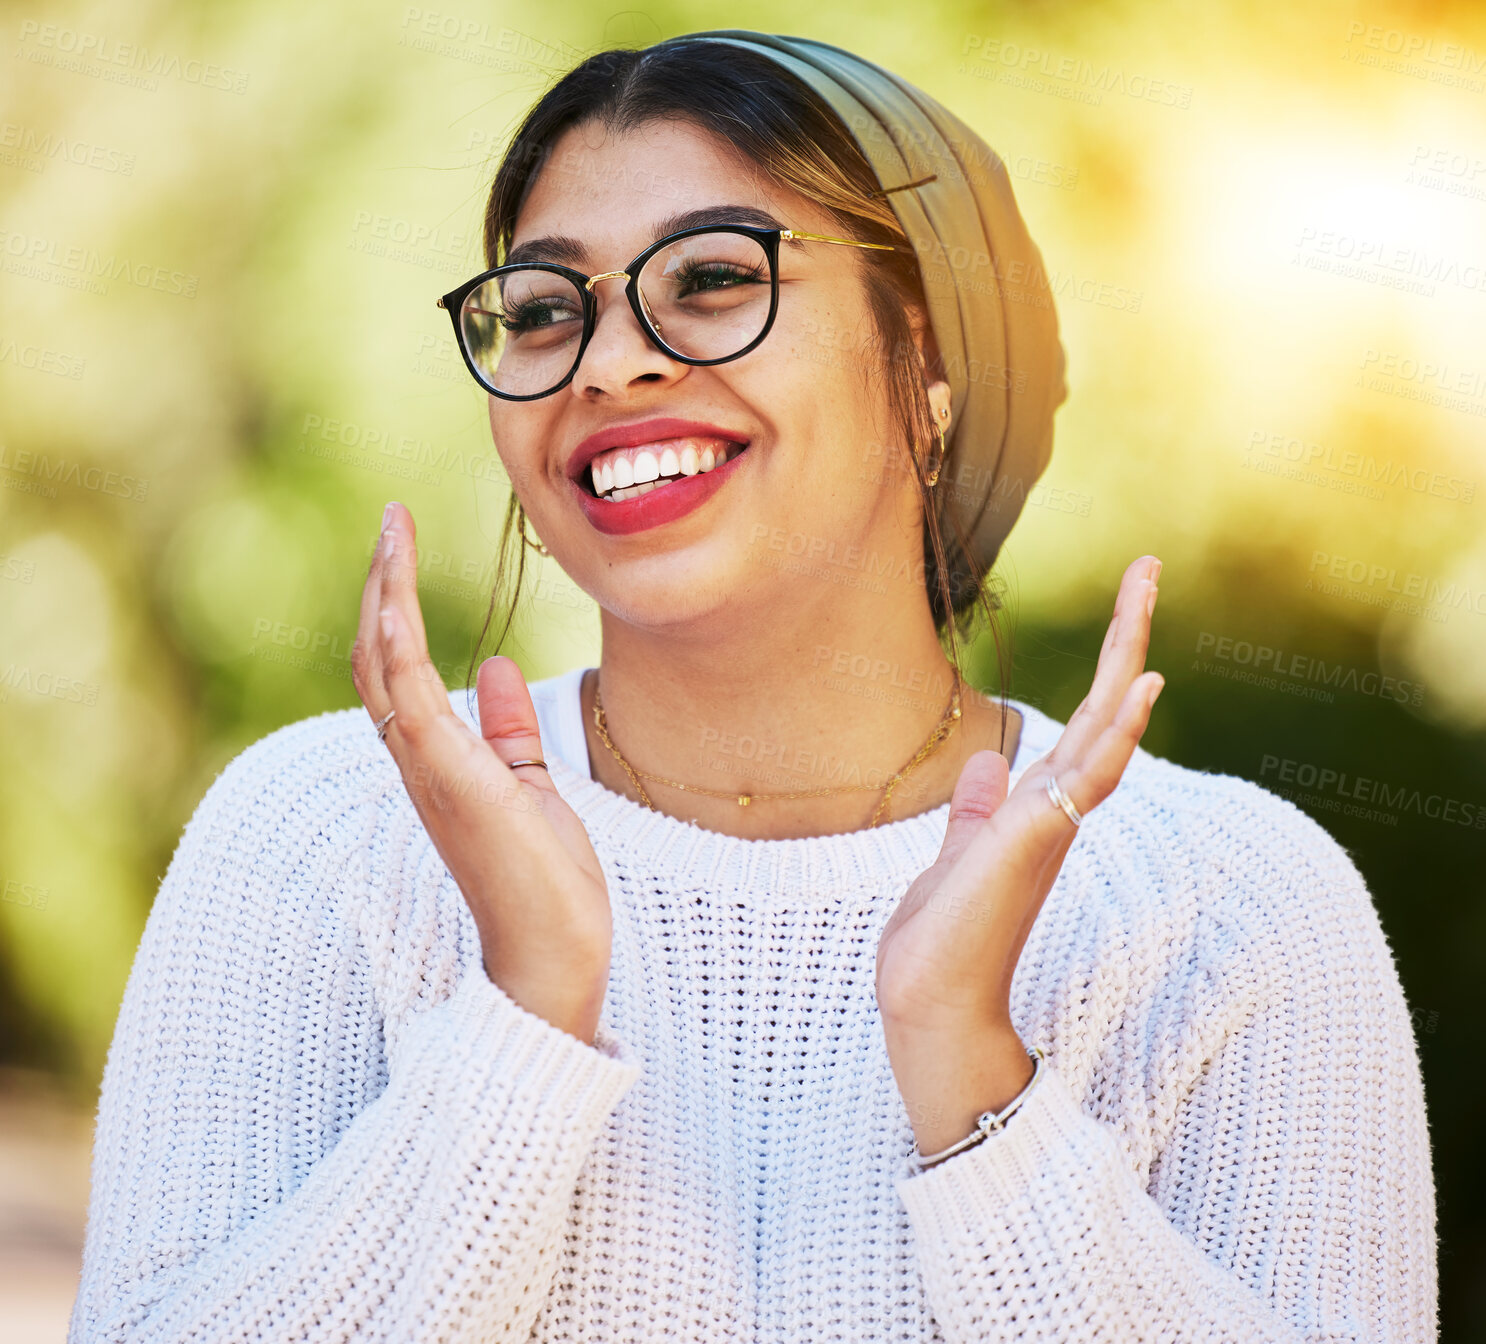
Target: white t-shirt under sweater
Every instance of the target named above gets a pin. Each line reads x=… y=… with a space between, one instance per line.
x=321 y=1121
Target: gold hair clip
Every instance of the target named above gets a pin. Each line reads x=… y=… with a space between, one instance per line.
x=931 y=178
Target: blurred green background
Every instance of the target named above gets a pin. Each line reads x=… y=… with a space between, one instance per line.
x=222 y=231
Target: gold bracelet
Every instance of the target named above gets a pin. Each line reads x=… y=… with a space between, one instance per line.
x=989 y=1121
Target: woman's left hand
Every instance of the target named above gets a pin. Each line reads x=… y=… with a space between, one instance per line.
x=947 y=955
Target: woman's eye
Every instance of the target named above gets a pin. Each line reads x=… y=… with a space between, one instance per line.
x=711 y=277
x=530 y=316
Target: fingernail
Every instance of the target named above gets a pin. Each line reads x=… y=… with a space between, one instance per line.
x=1155 y=573
x=1156 y=688
x=386 y=625
x=1150 y=602
x=389 y=544
x=387 y=514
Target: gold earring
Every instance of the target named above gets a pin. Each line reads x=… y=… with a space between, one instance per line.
x=535 y=545
x=932 y=478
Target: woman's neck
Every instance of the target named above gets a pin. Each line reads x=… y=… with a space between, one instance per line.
x=785 y=714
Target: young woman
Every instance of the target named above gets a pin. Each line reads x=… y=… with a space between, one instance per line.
x=763 y=981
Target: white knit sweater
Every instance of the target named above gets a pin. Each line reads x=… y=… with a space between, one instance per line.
x=321 y=1121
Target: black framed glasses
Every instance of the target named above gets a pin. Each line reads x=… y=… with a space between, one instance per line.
x=703 y=296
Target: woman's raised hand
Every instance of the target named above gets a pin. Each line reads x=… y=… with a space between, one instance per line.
x=946 y=956
x=518 y=852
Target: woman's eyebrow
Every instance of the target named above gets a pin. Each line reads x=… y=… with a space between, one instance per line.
x=568 y=251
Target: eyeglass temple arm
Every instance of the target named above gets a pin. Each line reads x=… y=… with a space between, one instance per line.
x=824 y=238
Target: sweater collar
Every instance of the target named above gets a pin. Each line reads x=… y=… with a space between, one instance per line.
x=840 y=862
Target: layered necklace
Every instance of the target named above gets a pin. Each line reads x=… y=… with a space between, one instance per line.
x=936 y=738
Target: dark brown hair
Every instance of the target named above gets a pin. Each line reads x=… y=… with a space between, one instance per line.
x=780 y=128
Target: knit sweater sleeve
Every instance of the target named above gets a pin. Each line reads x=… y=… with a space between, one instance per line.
x=1263 y=1169
x=259 y=1172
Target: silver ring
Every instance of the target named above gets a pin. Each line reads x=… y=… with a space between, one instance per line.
x=382 y=725
x=514 y=764
x=1062 y=800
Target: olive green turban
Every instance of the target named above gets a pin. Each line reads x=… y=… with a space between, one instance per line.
x=990 y=306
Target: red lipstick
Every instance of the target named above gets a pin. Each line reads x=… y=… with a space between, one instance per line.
x=667 y=502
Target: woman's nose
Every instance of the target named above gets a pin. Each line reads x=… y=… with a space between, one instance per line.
x=620 y=349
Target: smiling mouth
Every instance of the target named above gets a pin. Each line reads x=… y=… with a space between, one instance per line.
x=626 y=473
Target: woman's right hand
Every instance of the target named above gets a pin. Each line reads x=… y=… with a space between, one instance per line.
x=518 y=852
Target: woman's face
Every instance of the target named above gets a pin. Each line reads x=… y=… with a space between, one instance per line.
x=820 y=481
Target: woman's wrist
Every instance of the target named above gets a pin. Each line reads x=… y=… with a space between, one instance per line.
x=949 y=1077
x=576 y=1013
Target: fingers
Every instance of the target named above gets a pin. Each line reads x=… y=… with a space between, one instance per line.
x=508 y=719
x=398 y=562
x=1090 y=779
x=366 y=651
x=1121 y=660
x=979 y=791
x=410 y=682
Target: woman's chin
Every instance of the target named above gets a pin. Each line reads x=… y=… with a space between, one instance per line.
x=672 y=590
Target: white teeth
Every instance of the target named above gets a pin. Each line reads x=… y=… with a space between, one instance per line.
x=616 y=477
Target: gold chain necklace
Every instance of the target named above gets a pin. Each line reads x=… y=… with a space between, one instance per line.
x=941 y=731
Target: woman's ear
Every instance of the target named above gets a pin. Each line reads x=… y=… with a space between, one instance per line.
x=936 y=387
x=923 y=338
x=928 y=349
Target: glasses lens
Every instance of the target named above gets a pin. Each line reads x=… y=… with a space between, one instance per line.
x=707 y=296
x=523 y=330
